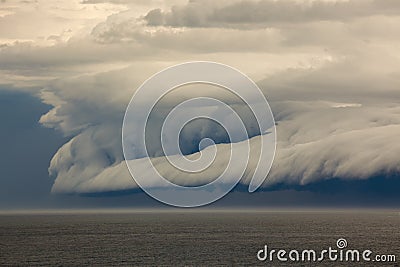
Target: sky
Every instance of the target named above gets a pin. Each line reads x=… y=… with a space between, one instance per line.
x=329 y=69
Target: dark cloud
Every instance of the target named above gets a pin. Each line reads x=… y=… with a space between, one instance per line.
x=27 y=148
x=264 y=13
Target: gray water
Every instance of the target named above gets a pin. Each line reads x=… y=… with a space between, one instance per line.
x=184 y=238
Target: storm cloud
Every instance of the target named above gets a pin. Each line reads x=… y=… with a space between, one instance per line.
x=328 y=68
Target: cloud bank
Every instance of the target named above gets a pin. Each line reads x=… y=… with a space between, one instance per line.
x=328 y=68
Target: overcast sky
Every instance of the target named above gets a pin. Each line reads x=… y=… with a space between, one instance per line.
x=329 y=69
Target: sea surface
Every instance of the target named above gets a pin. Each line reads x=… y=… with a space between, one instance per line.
x=188 y=238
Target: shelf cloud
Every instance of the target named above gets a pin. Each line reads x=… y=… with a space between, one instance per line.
x=329 y=70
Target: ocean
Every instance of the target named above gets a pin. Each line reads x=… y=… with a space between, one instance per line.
x=191 y=238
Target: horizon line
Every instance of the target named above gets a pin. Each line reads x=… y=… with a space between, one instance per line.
x=89 y=211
